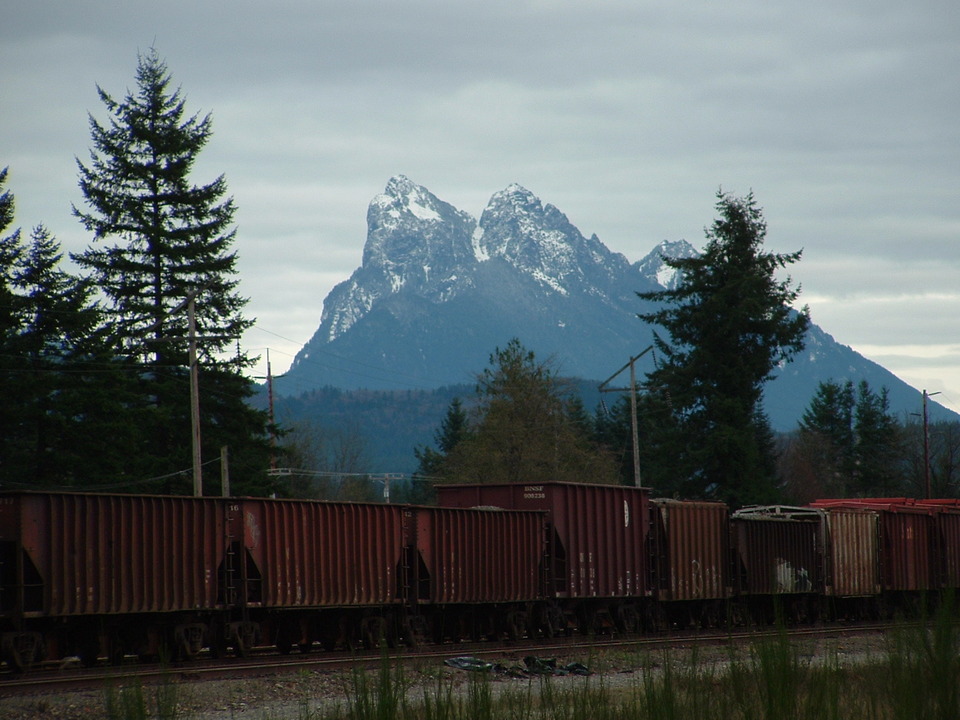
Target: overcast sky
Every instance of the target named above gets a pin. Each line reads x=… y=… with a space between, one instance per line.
x=842 y=116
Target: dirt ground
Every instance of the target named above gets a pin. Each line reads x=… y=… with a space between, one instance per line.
x=294 y=695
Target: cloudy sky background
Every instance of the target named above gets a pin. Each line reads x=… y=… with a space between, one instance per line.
x=842 y=116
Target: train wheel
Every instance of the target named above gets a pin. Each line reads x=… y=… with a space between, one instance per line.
x=116 y=648
x=415 y=630
x=286 y=637
x=627 y=619
x=88 y=650
x=706 y=618
x=243 y=637
x=655 y=618
x=218 y=641
x=373 y=631
x=23 y=650
x=553 y=621
x=737 y=614
x=516 y=624
x=190 y=639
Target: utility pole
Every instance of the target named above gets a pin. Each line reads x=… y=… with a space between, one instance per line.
x=225 y=471
x=633 y=408
x=194 y=395
x=926 y=442
x=273 y=433
x=270 y=377
x=189 y=302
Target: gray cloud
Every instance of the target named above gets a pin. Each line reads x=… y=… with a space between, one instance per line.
x=840 y=116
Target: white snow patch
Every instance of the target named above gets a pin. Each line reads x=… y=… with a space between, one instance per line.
x=545 y=279
x=666 y=275
x=478 y=251
x=422 y=211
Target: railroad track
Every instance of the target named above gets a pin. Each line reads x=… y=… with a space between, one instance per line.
x=67 y=677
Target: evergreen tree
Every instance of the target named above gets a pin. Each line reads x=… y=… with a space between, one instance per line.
x=827 y=437
x=878 y=444
x=72 y=423
x=11 y=253
x=173 y=242
x=527 y=428
x=432 y=462
x=729 y=324
x=936 y=449
x=453 y=428
x=850 y=441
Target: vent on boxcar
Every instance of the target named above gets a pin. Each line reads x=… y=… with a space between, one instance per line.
x=412 y=573
x=557 y=561
x=10 y=583
x=238 y=578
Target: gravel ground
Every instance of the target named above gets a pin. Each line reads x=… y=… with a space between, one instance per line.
x=286 y=697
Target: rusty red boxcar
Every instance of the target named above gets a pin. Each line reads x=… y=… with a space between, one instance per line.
x=690 y=541
x=119 y=561
x=313 y=555
x=906 y=544
x=947 y=522
x=479 y=572
x=596 y=544
x=778 y=554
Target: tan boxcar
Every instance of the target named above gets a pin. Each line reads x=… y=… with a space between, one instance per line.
x=852 y=558
x=692 y=545
x=597 y=536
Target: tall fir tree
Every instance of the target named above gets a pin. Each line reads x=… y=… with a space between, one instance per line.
x=879 y=467
x=72 y=421
x=173 y=241
x=527 y=428
x=453 y=428
x=827 y=438
x=851 y=442
x=729 y=324
x=11 y=253
x=432 y=463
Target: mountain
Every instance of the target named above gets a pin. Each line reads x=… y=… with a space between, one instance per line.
x=438 y=291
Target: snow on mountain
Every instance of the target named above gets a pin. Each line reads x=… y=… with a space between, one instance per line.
x=653 y=265
x=438 y=291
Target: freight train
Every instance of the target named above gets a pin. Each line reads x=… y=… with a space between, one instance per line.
x=108 y=575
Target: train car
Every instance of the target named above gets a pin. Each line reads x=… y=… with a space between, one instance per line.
x=947 y=523
x=328 y=572
x=907 y=550
x=478 y=573
x=778 y=560
x=851 y=561
x=596 y=549
x=97 y=574
x=690 y=544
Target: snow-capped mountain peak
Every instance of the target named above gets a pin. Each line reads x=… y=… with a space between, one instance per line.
x=422 y=247
x=437 y=291
x=653 y=265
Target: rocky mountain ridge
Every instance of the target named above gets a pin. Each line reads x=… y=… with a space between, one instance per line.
x=438 y=291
